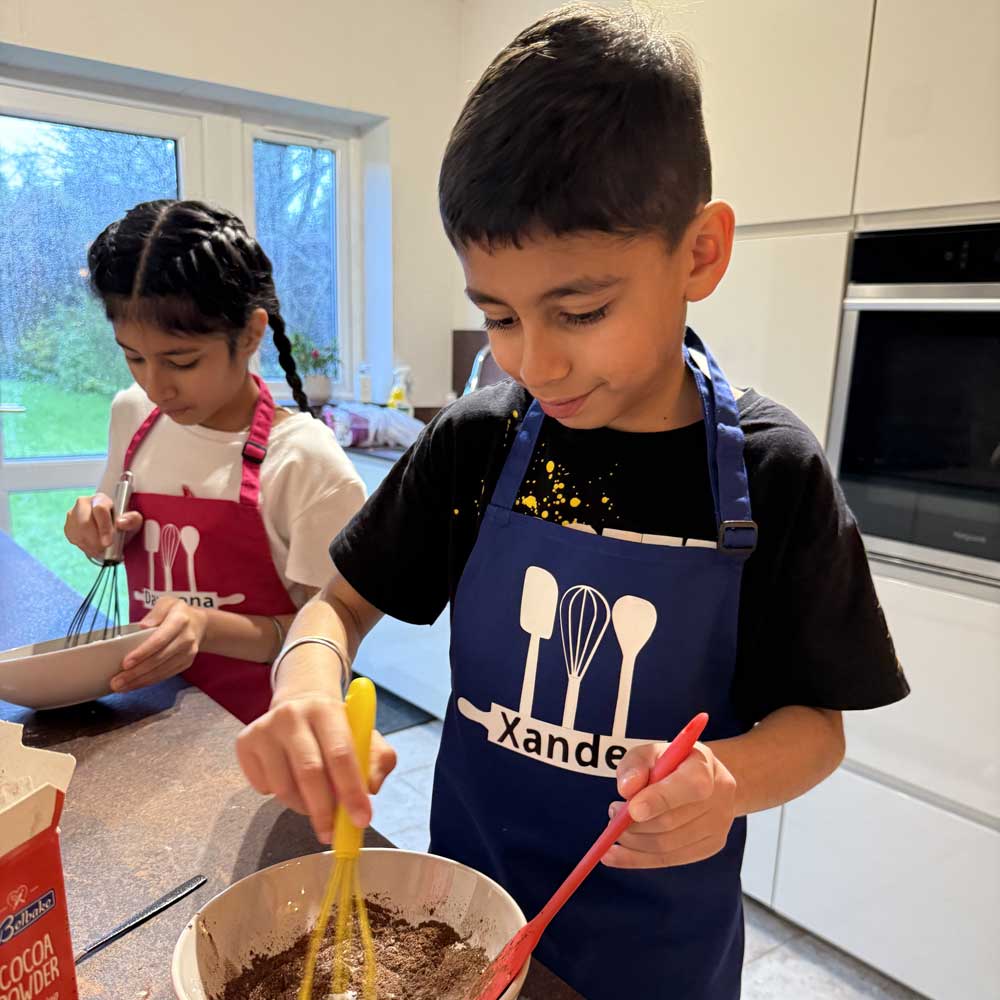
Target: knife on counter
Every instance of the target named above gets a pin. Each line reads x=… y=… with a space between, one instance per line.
x=175 y=894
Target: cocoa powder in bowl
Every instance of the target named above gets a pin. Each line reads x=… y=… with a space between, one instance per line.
x=427 y=961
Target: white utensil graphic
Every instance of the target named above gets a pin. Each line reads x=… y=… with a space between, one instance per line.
x=190 y=538
x=539 y=600
x=151 y=541
x=583 y=620
x=170 y=540
x=634 y=620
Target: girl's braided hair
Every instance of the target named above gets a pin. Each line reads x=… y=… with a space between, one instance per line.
x=186 y=267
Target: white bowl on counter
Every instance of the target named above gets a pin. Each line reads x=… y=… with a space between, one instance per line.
x=268 y=911
x=48 y=675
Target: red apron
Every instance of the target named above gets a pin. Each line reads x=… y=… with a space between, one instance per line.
x=211 y=554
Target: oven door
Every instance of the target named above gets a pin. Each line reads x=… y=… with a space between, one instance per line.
x=915 y=424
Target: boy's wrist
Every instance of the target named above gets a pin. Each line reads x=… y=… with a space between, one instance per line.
x=310 y=665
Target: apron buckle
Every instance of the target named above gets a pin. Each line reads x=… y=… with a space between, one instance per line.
x=738 y=538
x=254 y=451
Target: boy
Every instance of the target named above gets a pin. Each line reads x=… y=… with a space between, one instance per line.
x=592 y=522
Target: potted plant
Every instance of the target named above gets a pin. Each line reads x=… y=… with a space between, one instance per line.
x=315 y=364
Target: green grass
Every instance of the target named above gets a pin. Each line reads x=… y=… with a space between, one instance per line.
x=37 y=520
x=55 y=423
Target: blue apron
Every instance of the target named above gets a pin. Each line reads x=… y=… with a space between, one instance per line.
x=568 y=648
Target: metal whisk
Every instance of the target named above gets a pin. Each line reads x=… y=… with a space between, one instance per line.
x=101 y=605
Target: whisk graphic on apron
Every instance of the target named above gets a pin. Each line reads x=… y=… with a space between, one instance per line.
x=101 y=604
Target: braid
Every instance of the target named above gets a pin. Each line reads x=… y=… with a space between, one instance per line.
x=285 y=359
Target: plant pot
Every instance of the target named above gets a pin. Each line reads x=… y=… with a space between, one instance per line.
x=318 y=389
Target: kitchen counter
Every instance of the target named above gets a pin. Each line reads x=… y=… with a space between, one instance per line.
x=158 y=797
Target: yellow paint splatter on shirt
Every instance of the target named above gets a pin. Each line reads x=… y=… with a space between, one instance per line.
x=545 y=513
x=455 y=512
x=515 y=414
x=604 y=499
x=575 y=502
x=550 y=466
x=530 y=502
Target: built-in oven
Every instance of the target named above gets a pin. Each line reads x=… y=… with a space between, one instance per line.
x=915 y=422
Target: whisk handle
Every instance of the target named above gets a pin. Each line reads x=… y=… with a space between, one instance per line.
x=119 y=505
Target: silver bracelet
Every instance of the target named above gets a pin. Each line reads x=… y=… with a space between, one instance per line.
x=321 y=640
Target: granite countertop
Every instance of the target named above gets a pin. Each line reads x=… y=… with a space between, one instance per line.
x=158 y=797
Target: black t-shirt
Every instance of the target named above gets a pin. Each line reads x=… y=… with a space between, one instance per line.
x=811 y=631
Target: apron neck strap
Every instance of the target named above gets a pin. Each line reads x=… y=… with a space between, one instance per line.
x=138 y=437
x=254 y=450
x=737 y=533
x=516 y=466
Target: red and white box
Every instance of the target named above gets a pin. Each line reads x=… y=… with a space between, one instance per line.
x=36 y=953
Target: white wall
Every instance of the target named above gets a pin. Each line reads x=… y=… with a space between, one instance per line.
x=382 y=57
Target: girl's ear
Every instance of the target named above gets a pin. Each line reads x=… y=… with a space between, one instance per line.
x=253 y=332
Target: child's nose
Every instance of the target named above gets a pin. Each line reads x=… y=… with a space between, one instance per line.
x=158 y=385
x=543 y=360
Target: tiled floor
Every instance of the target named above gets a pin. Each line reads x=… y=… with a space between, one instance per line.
x=782 y=961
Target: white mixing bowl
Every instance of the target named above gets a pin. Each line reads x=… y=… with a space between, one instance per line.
x=266 y=912
x=47 y=675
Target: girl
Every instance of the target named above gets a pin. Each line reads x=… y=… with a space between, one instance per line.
x=235 y=499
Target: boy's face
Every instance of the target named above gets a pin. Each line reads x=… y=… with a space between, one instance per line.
x=592 y=324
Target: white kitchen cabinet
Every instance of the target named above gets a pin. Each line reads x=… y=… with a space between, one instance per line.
x=761 y=854
x=945 y=736
x=774 y=321
x=409 y=660
x=930 y=135
x=783 y=91
x=909 y=888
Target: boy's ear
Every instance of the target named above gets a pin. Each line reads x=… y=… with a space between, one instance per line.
x=709 y=242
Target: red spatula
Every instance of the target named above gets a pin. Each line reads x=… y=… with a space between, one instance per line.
x=506 y=966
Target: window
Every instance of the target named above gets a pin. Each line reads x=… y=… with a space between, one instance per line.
x=300 y=205
x=60 y=185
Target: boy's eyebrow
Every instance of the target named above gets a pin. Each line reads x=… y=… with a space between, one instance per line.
x=583 y=285
x=162 y=354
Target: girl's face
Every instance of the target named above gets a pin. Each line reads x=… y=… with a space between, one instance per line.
x=194 y=379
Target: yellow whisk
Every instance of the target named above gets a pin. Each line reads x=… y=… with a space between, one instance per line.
x=343 y=890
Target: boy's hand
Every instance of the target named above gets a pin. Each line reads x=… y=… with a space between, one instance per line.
x=88 y=524
x=301 y=751
x=180 y=631
x=684 y=818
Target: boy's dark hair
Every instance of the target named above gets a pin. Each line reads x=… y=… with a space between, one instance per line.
x=588 y=120
x=186 y=267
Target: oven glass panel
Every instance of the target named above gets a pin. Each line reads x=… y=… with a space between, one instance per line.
x=921 y=453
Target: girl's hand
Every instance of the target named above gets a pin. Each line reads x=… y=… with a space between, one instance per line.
x=301 y=751
x=684 y=818
x=180 y=631
x=88 y=524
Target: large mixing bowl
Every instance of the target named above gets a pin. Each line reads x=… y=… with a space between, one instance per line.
x=48 y=675
x=266 y=912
